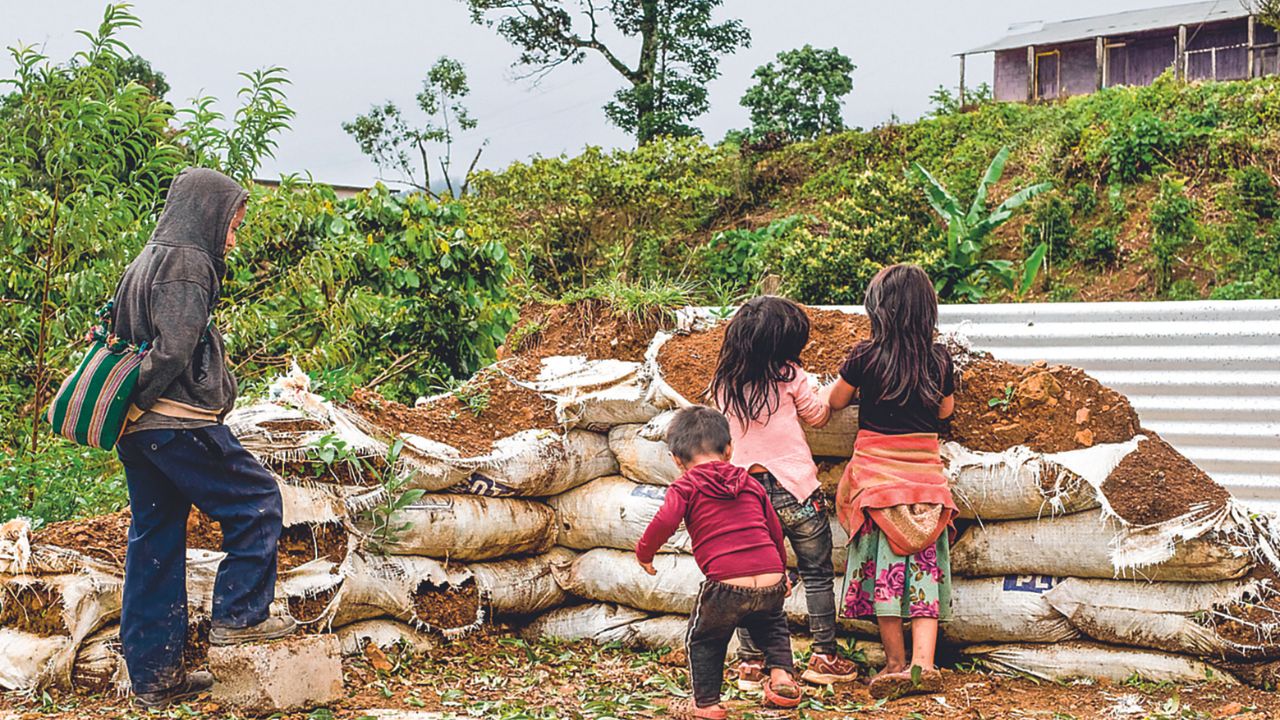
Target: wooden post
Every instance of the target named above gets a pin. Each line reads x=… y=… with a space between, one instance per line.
x=1100 y=58
x=1031 y=73
x=1180 y=55
x=1248 y=73
x=962 y=80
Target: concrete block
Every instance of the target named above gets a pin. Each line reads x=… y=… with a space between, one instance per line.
x=297 y=673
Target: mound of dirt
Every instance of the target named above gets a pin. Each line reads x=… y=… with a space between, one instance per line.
x=1047 y=408
x=32 y=607
x=592 y=328
x=688 y=360
x=453 y=606
x=103 y=537
x=487 y=408
x=299 y=544
x=1156 y=483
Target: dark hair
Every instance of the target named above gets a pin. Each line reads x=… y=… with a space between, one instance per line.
x=698 y=430
x=903 y=308
x=761 y=348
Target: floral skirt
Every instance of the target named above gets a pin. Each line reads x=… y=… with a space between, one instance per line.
x=881 y=583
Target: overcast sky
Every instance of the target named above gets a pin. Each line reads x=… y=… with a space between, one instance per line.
x=343 y=56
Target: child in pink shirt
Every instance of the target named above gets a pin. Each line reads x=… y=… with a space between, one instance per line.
x=761 y=387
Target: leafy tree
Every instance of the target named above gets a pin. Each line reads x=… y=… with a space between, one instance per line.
x=1268 y=11
x=943 y=102
x=239 y=150
x=800 y=95
x=136 y=68
x=679 y=51
x=964 y=271
x=386 y=137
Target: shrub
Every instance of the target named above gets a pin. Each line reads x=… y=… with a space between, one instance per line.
x=61 y=482
x=1137 y=144
x=1084 y=199
x=736 y=258
x=1173 y=227
x=1100 y=248
x=1253 y=191
x=1050 y=224
x=1184 y=289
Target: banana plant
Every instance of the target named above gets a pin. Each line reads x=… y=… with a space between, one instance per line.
x=965 y=273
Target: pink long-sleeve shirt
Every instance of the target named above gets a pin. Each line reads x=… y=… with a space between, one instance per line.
x=778 y=444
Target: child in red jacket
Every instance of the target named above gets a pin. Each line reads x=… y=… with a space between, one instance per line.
x=738 y=545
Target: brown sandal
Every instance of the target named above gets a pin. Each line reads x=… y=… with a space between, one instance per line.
x=685 y=709
x=783 y=696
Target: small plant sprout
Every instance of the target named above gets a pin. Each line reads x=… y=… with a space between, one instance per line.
x=1004 y=400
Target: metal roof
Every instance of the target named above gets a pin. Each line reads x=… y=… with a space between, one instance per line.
x=1049 y=33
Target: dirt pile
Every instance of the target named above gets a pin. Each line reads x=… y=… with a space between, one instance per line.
x=448 y=607
x=32 y=607
x=299 y=544
x=688 y=360
x=593 y=328
x=1047 y=408
x=487 y=408
x=103 y=537
x=1156 y=483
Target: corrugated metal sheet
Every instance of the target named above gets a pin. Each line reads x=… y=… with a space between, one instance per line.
x=1050 y=33
x=1204 y=375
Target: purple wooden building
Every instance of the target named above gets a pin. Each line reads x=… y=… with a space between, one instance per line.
x=1215 y=40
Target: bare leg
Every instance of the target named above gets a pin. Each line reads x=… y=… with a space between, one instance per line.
x=924 y=641
x=895 y=648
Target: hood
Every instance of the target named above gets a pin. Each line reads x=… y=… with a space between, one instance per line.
x=719 y=479
x=198 y=211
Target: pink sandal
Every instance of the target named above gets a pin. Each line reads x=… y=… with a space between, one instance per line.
x=685 y=709
x=784 y=696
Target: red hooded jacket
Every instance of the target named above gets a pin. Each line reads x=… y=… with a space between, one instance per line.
x=727 y=513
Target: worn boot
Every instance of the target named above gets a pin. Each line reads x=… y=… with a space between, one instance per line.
x=192 y=685
x=272 y=628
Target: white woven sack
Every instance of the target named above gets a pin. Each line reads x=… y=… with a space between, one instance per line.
x=598 y=622
x=524 y=586
x=1086 y=544
x=642 y=453
x=1072 y=660
x=384 y=635
x=594 y=394
x=385 y=586
x=1007 y=609
x=611 y=512
x=33 y=660
x=1175 y=617
x=469 y=527
x=614 y=576
x=529 y=463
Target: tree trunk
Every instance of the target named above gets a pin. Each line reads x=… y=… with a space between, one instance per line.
x=645 y=79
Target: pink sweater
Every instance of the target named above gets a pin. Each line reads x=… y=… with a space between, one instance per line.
x=779 y=445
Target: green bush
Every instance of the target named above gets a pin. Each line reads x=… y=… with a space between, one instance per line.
x=1173 y=227
x=1184 y=289
x=62 y=482
x=736 y=258
x=1253 y=191
x=1050 y=224
x=880 y=222
x=1084 y=199
x=1100 y=249
x=1139 y=143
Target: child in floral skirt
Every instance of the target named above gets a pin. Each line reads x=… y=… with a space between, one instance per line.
x=893 y=498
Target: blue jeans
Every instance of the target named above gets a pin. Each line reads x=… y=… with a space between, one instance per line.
x=806 y=526
x=168 y=471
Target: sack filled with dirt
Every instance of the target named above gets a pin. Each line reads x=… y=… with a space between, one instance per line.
x=311 y=593
x=98 y=542
x=613 y=576
x=383 y=634
x=491 y=436
x=1063 y=662
x=328 y=541
x=681 y=365
x=1092 y=545
x=1157 y=484
x=1008 y=609
x=44 y=620
x=523 y=586
x=1047 y=408
x=611 y=512
x=1234 y=619
x=642 y=452
x=594 y=394
x=100 y=666
x=598 y=622
x=470 y=527
x=1020 y=483
x=428 y=594
x=285 y=428
x=593 y=329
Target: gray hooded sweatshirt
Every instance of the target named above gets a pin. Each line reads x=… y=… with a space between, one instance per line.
x=167 y=297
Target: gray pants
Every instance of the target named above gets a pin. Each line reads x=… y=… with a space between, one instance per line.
x=806 y=526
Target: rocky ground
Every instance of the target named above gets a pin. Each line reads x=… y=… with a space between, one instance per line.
x=494 y=675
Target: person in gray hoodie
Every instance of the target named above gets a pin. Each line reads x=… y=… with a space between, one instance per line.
x=177 y=452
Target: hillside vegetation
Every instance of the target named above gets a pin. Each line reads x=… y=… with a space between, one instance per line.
x=1161 y=192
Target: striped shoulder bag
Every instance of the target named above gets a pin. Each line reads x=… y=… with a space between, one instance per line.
x=92 y=405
